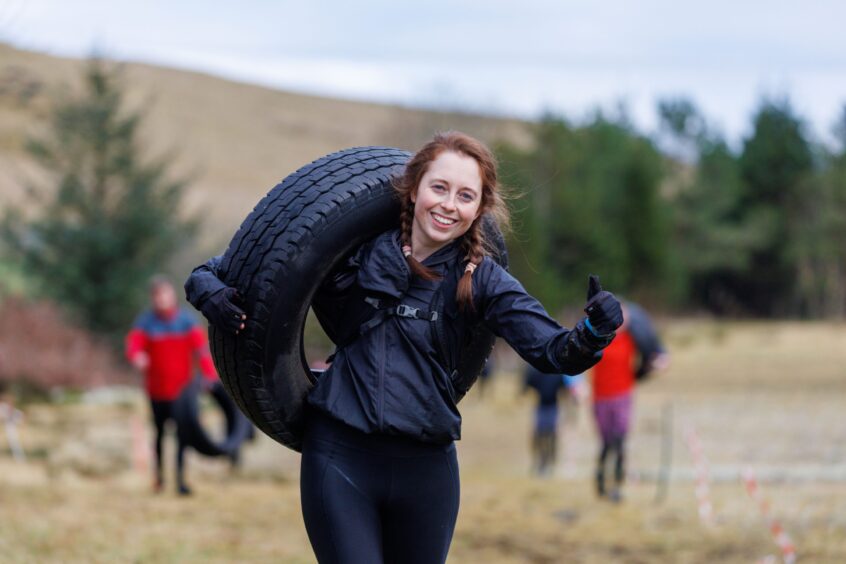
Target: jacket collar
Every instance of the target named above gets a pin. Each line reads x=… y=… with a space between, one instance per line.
x=445 y=254
x=383 y=268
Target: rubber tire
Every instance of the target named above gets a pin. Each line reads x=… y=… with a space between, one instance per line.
x=191 y=431
x=285 y=247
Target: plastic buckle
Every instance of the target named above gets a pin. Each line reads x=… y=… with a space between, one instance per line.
x=407 y=311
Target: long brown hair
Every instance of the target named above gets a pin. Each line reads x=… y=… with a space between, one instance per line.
x=473 y=242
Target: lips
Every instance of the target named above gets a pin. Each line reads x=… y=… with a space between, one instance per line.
x=443 y=221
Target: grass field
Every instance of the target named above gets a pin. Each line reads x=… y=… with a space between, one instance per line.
x=766 y=396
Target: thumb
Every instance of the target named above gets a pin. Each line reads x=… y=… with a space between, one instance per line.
x=594 y=287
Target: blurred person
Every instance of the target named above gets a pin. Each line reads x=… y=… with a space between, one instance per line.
x=635 y=352
x=548 y=388
x=165 y=344
x=485 y=375
x=379 y=475
x=11 y=417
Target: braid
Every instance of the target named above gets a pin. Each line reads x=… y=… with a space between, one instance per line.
x=406 y=216
x=474 y=246
x=406 y=219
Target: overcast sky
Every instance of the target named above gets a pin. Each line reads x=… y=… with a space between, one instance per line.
x=507 y=57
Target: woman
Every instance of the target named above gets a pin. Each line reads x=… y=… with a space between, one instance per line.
x=379 y=478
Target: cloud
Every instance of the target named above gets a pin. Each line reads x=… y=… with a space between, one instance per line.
x=498 y=55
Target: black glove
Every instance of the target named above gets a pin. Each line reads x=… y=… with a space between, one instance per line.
x=223 y=310
x=604 y=312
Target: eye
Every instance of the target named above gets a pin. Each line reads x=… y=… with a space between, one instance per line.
x=467 y=196
x=438 y=187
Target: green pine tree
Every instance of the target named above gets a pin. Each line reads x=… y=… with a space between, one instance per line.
x=591 y=204
x=777 y=167
x=92 y=237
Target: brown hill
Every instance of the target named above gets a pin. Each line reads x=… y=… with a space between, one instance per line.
x=235 y=140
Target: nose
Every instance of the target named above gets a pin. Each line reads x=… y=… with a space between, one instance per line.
x=448 y=203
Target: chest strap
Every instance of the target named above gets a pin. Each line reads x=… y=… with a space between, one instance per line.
x=384 y=310
x=387 y=309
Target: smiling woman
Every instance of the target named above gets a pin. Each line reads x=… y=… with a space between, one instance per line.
x=379 y=474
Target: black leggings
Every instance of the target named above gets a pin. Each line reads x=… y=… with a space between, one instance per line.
x=616 y=448
x=162 y=413
x=376 y=498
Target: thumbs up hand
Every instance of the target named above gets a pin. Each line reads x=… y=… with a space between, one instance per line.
x=604 y=314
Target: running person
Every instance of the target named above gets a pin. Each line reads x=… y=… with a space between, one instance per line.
x=545 y=429
x=379 y=477
x=632 y=355
x=164 y=343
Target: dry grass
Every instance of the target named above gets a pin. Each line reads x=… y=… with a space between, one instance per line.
x=235 y=141
x=769 y=396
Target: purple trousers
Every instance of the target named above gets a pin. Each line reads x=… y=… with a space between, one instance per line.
x=613 y=416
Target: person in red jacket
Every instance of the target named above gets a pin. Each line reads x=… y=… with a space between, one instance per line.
x=166 y=343
x=634 y=352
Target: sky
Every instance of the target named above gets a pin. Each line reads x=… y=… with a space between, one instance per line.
x=519 y=58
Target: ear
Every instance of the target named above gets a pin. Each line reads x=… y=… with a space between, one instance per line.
x=413 y=196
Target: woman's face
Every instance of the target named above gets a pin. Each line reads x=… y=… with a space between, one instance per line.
x=446 y=202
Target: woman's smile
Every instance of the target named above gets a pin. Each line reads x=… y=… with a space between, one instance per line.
x=442 y=220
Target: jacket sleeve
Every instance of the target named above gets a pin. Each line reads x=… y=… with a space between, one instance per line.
x=511 y=313
x=135 y=342
x=200 y=346
x=203 y=282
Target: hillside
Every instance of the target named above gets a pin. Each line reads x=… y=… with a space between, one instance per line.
x=234 y=140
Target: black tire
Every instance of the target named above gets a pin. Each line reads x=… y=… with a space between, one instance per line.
x=190 y=430
x=283 y=250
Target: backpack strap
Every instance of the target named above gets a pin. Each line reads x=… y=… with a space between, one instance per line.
x=447 y=348
x=387 y=308
x=382 y=310
x=440 y=333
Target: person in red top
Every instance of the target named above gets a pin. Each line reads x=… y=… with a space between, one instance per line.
x=633 y=353
x=166 y=343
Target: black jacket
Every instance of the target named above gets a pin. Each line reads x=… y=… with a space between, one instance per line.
x=392 y=377
x=547 y=386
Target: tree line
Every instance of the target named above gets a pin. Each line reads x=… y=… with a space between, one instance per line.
x=753 y=231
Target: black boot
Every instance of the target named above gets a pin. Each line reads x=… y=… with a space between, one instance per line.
x=619 y=471
x=600 y=483
x=600 y=471
x=616 y=494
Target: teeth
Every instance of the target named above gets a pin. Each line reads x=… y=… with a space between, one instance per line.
x=443 y=220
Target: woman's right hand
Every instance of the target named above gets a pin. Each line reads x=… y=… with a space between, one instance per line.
x=223 y=310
